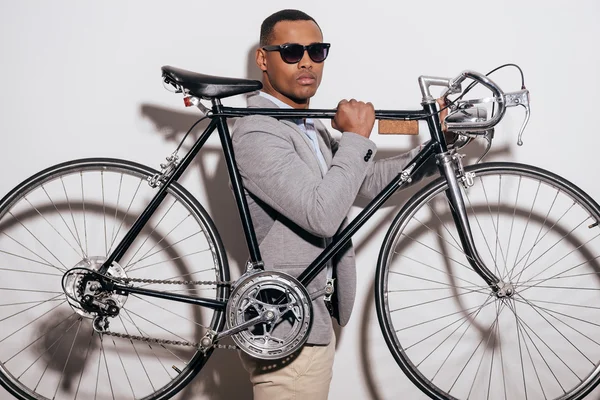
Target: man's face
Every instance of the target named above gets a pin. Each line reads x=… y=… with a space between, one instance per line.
x=294 y=84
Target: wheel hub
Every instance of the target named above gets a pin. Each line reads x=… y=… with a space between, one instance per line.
x=82 y=287
x=505 y=290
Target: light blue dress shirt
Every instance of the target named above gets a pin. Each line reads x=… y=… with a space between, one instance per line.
x=306 y=125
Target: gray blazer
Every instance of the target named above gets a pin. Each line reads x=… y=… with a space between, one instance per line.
x=294 y=206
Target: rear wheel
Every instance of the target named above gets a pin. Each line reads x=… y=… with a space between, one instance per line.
x=73 y=215
x=454 y=337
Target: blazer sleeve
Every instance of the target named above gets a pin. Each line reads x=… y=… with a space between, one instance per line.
x=274 y=172
x=381 y=172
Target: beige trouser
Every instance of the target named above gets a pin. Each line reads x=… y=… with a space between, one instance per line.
x=303 y=375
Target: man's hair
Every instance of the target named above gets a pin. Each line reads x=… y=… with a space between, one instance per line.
x=268 y=25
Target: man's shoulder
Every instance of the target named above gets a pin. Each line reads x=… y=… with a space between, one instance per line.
x=253 y=123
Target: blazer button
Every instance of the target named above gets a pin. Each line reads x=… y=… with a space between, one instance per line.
x=368 y=155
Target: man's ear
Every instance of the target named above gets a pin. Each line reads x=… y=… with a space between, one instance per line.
x=261 y=59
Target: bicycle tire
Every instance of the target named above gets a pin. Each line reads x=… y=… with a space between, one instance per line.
x=152 y=376
x=455 y=365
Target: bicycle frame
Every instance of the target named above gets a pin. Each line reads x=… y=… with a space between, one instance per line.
x=436 y=146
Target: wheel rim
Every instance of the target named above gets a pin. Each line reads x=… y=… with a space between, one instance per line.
x=452 y=330
x=47 y=348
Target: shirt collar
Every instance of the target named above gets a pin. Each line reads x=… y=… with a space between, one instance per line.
x=274 y=99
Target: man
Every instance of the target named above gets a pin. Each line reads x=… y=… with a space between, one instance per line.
x=301 y=183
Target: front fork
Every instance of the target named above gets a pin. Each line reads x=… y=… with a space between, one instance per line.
x=450 y=166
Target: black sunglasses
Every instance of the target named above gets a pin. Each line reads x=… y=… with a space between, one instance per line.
x=292 y=53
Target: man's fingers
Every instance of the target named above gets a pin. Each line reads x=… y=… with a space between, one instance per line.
x=344 y=101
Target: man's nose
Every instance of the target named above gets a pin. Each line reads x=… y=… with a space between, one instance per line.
x=305 y=62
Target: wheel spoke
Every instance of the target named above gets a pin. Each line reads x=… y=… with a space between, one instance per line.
x=551 y=313
x=512 y=225
x=62 y=374
x=106 y=366
x=489 y=336
x=453 y=276
x=437 y=251
x=40 y=242
x=169 y=246
x=114 y=225
x=45 y=262
x=29 y=308
x=546 y=233
x=52 y=226
x=128 y=266
x=525 y=301
x=526 y=227
x=560 y=259
x=432 y=208
x=496 y=227
x=472 y=355
x=123 y=366
x=170 y=312
x=143 y=333
x=482 y=233
x=72 y=217
x=137 y=355
x=457 y=247
x=125 y=216
x=171 y=259
x=84 y=364
x=31 y=322
x=104 y=214
x=41 y=337
x=84 y=216
x=150 y=234
x=537 y=238
x=32 y=260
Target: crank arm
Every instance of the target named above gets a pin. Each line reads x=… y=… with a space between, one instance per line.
x=241 y=327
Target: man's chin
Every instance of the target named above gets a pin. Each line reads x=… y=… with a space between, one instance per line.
x=303 y=95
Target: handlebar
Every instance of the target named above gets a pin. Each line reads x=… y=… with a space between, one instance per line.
x=477 y=125
x=498 y=96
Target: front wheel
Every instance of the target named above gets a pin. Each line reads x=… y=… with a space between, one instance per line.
x=451 y=334
x=73 y=215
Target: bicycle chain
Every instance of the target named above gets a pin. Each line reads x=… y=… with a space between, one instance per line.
x=147 y=339
x=172 y=282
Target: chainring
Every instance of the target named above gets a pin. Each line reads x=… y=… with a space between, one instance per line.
x=270 y=291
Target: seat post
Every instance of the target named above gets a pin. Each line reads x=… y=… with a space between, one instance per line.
x=236 y=182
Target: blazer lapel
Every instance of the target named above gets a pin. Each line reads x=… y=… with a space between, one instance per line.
x=257 y=101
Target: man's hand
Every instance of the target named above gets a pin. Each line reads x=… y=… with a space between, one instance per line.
x=354 y=116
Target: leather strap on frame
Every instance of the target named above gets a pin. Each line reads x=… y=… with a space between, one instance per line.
x=395 y=127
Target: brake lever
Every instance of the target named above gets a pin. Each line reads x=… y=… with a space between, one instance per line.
x=520 y=98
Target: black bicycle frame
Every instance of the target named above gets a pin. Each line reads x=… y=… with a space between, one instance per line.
x=219 y=116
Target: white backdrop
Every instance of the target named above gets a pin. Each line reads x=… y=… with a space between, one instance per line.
x=82 y=79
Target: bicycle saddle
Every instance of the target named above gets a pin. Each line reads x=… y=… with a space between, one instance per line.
x=207 y=86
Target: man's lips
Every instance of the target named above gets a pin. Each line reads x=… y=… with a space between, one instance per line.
x=306 y=79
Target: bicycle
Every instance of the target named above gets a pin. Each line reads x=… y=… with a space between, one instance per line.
x=87 y=244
